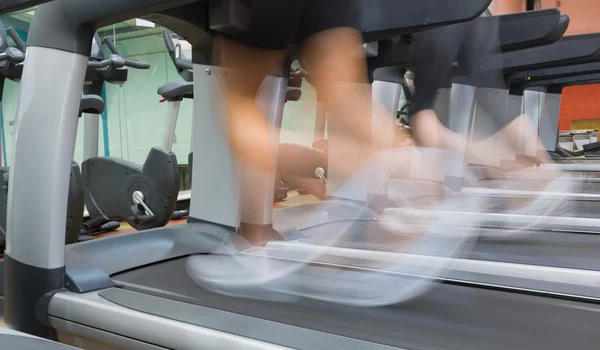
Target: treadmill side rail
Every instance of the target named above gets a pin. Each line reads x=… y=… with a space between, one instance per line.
x=148 y=317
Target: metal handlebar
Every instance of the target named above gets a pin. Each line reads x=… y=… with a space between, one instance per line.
x=111 y=46
x=15 y=55
x=100 y=64
x=17 y=39
x=136 y=64
x=168 y=41
x=12 y=55
x=128 y=62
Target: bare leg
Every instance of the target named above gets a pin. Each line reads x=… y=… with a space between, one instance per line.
x=330 y=60
x=429 y=132
x=247 y=126
x=333 y=56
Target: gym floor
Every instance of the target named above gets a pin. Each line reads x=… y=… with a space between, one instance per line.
x=293 y=199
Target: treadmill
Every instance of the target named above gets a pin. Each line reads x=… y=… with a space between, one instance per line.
x=386 y=70
x=69 y=51
x=503 y=254
x=540 y=91
x=544 y=27
x=529 y=76
x=522 y=69
x=545 y=87
x=132 y=291
x=589 y=164
x=569 y=56
x=547 y=104
x=580 y=48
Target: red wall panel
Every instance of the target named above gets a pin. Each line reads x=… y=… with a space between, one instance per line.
x=579 y=102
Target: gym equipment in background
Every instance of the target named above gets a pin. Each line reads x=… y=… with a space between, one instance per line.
x=119 y=190
x=174 y=92
x=10 y=61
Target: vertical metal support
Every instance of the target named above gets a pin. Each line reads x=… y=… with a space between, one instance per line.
x=170 y=125
x=514 y=108
x=320 y=120
x=190 y=157
x=533 y=99
x=3 y=150
x=2 y=140
x=491 y=100
x=420 y=169
x=340 y=148
x=91 y=141
x=47 y=117
x=549 y=118
x=257 y=186
x=442 y=106
x=387 y=96
x=461 y=109
x=192 y=137
x=216 y=172
x=460 y=118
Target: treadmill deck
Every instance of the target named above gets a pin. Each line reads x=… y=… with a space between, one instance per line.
x=448 y=317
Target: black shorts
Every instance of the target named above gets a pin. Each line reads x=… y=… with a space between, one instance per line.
x=466 y=43
x=275 y=24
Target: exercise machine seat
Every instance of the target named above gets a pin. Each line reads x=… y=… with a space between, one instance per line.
x=176 y=91
x=92 y=104
x=293 y=94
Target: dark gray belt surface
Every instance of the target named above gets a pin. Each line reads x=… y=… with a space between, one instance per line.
x=448 y=317
x=542 y=248
x=555 y=249
x=510 y=205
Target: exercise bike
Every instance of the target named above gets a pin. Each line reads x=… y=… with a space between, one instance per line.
x=175 y=92
x=12 y=68
x=118 y=190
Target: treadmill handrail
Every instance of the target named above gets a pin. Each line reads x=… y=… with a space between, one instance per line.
x=523 y=30
x=569 y=50
x=517 y=31
x=382 y=19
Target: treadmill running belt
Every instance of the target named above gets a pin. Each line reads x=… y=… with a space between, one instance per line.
x=448 y=317
x=555 y=249
x=540 y=248
x=507 y=205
